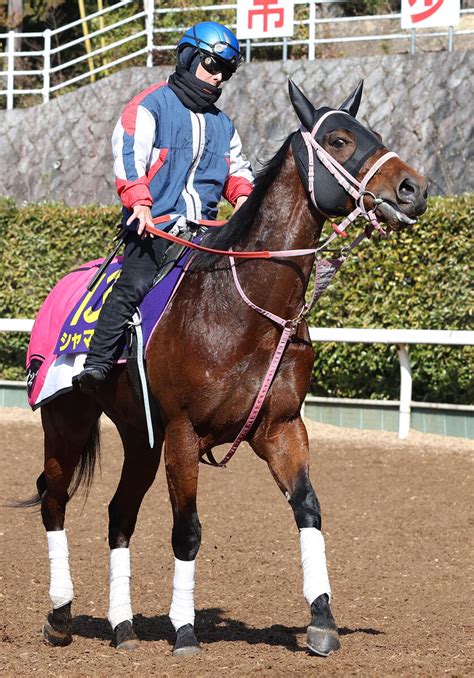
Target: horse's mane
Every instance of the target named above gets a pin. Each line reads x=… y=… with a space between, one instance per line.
x=241 y=222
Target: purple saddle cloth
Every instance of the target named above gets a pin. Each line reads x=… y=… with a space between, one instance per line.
x=78 y=328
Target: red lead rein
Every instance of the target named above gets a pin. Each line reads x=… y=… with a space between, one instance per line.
x=264 y=254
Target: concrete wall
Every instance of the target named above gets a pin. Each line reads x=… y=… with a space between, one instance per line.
x=421 y=104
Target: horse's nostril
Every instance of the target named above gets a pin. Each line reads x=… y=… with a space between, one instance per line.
x=408 y=186
x=408 y=190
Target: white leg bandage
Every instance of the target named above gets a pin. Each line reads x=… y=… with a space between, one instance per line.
x=313 y=561
x=61 y=590
x=120 y=606
x=182 y=605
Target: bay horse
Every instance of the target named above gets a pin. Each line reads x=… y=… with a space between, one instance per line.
x=207 y=359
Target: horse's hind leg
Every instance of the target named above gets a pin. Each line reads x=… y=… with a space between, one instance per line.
x=182 y=462
x=138 y=472
x=284 y=446
x=70 y=425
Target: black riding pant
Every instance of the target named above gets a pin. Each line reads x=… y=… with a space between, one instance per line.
x=142 y=259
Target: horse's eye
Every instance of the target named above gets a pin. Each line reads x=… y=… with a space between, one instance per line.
x=338 y=143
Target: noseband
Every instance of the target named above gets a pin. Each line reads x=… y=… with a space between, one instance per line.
x=356 y=189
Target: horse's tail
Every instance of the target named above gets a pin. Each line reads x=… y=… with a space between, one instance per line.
x=35 y=500
x=83 y=473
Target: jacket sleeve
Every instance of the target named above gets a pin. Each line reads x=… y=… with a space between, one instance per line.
x=240 y=179
x=132 y=145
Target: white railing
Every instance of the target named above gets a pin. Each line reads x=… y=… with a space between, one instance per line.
x=16 y=324
x=46 y=69
x=400 y=338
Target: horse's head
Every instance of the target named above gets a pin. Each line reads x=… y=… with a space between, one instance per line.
x=347 y=169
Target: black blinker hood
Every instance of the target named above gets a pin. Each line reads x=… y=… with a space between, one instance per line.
x=330 y=196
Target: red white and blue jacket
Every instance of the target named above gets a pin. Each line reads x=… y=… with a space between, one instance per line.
x=176 y=161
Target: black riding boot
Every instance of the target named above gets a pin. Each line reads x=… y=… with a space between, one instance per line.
x=142 y=259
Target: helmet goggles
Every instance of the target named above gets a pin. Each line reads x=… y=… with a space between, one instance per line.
x=213 y=66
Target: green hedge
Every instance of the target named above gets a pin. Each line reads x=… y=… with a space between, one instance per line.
x=39 y=244
x=416 y=279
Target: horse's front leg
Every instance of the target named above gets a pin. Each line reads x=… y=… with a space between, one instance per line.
x=284 y=446
x=182 y=462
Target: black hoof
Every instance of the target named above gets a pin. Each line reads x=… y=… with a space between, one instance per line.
x=186 y=642
x=322 y=636
x=125 y=637
x=322 y=641
x=58 y=628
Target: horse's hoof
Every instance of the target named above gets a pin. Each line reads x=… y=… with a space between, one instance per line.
x=125 y=637
x=322 y=641
x=186 y=642
x=54 y=636
x=322 y=637
x=58 y=627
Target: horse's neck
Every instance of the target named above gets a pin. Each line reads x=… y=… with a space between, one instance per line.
x=284 y=222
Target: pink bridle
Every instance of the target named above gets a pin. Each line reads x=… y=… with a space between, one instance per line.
x=357 y=190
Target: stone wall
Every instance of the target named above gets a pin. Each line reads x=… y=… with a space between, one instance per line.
x=61 y=150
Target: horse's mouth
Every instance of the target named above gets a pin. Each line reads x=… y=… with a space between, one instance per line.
x=393 y=216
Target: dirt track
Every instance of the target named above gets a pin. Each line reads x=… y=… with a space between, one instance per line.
x=395 y=516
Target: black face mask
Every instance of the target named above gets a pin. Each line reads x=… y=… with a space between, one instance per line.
x=195 y=94
x=330 y=196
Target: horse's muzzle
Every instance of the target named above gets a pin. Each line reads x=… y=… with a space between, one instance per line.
x=408 y=203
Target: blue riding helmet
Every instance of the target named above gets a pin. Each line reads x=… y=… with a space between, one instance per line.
x=214 y=40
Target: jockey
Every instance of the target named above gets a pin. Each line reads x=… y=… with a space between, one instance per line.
x=174 y=153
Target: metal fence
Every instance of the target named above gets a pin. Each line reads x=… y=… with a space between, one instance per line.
x=400 y=338
x=142 y=32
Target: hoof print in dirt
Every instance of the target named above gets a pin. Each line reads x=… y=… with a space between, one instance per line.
x=125 y=637
x=186 y=642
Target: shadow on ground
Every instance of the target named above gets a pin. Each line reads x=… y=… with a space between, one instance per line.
x=212 y=626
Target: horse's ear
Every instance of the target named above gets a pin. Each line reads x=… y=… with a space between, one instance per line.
x=352 y=103
x=305 y=110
